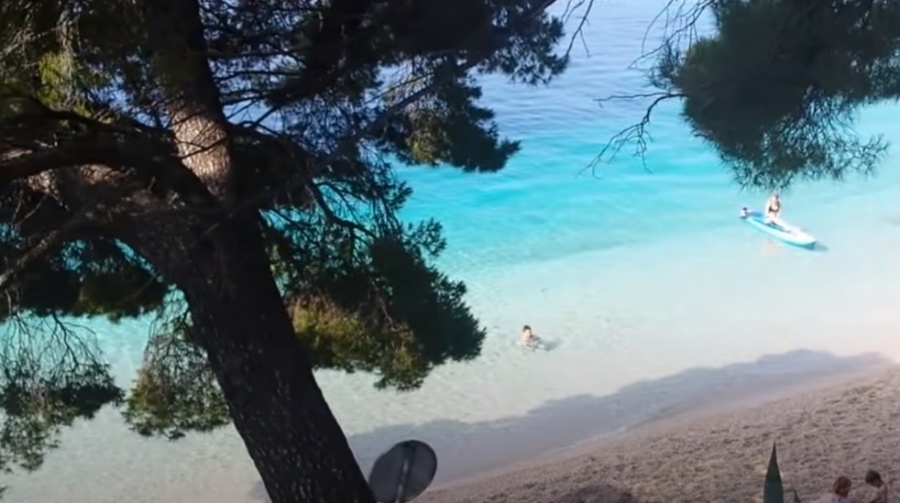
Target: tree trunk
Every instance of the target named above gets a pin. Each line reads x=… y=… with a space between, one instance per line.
x=265 y=374
x=222 y=268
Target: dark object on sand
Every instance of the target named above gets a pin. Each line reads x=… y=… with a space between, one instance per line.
x=403 y=472
x=773 y=492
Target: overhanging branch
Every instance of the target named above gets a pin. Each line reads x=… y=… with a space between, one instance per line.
x=20 y=163
x=162 y=170
x=636 y=133
x=343 y=36
x=44 y=247
x=332 y=216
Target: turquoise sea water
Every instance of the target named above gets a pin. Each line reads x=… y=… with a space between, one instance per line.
x=637 y=274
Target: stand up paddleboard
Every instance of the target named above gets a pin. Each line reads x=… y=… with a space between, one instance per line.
x=780 y=230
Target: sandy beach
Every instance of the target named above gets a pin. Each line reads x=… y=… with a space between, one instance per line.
x=842 y=429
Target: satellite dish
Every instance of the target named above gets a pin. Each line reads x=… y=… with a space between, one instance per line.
x=403 y=472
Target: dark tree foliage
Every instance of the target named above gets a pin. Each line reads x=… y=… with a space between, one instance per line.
x=224 y=166
x=777 y=86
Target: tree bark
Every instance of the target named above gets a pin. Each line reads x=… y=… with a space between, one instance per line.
x=222 y=268
x=264 y=371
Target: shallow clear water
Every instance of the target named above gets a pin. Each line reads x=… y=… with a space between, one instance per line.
x=637 y=274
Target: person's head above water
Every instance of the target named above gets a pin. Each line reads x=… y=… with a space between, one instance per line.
x=526 y=328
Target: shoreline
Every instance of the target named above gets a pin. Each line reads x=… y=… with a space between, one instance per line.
x=685 y=457
x=468 y=453
x=545 y=440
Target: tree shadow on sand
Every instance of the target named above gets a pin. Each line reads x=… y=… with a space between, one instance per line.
x=469 y=449
x=597 y=493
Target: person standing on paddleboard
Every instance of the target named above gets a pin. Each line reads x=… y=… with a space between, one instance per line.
x=773 y=214
x=773 y=208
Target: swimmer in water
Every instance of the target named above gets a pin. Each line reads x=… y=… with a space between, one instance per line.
x=528 y=339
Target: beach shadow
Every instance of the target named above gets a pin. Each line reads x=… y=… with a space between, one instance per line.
x=466 y=450
x=593 y=493
x=596 y=493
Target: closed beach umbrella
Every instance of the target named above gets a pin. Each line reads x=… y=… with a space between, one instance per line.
x=774 y=489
